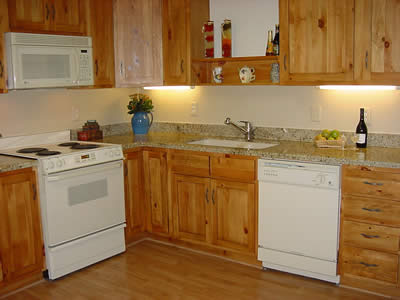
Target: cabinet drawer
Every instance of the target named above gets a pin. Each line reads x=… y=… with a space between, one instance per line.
x=364 y=181
x=371 y=236
x=370 y=210
x=371 y=264
x=190 y=164
x=228 y=167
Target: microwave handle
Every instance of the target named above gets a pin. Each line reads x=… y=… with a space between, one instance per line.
x=84 y=171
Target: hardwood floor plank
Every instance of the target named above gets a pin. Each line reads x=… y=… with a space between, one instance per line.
x=150 y=270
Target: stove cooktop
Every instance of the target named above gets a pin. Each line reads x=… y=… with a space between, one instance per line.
x=42 y=151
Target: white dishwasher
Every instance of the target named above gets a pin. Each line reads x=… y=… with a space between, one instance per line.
x=298 y=221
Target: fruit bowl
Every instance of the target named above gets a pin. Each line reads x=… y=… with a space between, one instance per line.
x=339 y=143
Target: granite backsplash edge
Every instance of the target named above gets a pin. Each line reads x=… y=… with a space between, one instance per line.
x=268 y=133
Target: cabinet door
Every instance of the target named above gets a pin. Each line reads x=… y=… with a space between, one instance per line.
x=234 y=215
x=138 y=42
x=377 y=51
x=191 y=197
x=176 y=45
x=29 y=15
x=101 y=30
x=156 y=189
x=316 y=41
x=4 y=27
x=68 y=16
x=20 y=237
x=134 y=194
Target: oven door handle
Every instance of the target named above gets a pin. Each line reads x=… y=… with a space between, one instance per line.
x=84 y=171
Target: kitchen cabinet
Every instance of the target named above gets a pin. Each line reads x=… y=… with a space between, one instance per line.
x=4 y=27
x=234 y=215
x=156 y=190
x=191 y=203
x=134 y=204
x=317 y=41
x=182 y=38
x=138 y=42
x=100 y=28
x=214 y=200
x=370 y=229
x=377 y=58
x=52 y=16
x=21 y=245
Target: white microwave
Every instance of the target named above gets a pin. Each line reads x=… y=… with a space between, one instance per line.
x=47 y=61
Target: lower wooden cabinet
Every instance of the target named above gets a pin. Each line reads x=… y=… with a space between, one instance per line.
x=370 y=229
x=191 y=203
x=234 y=215
x=156 y=190
x=134 y=199
x=21 y=245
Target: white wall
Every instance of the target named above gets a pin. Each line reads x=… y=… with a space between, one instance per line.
x=33 y=111
x=278 y=106
x=251 y=21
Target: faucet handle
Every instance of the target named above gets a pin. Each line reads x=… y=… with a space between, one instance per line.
x=247 y=124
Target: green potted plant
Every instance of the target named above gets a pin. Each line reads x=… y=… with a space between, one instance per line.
x=140 y=106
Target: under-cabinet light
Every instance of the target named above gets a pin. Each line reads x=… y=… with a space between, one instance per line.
x=359 y=87
x=171 y=88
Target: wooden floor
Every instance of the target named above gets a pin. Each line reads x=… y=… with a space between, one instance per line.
x=150 y=270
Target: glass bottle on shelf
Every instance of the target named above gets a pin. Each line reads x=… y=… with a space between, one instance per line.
x=208 y=31
x=276 y=40
x=226 y=37
x=270 y=44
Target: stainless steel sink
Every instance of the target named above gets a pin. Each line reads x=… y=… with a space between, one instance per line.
x=232 y=144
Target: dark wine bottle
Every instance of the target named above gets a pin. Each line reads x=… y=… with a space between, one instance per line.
x=362 y=131
x=276 y=40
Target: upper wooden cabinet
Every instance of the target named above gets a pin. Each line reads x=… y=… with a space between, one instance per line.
x=21 y=246
x=100 y=28
x=138 y=42
x=58 y=16
x=377 y=36
x=182 y=38
x=4 y=27
x=316 y=41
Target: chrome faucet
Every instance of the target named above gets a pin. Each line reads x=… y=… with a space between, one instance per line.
x=247 y=129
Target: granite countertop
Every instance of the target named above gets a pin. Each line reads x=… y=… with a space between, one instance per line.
x=10 y=163
x=285 y=150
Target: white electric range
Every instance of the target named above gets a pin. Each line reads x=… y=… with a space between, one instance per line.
x=82 y=204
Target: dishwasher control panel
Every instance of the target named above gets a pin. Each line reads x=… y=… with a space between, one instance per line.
x=299 y=173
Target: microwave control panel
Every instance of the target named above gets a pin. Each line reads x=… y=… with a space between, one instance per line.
x=85 y=65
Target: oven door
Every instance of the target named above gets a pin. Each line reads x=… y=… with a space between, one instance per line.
x=83 y=201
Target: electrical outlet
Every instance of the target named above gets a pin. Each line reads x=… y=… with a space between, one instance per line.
x=195 y=108
x=75 y=113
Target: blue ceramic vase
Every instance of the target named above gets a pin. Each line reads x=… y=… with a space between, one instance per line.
x=141 y=122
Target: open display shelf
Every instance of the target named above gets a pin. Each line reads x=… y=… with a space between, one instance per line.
x=202 y=70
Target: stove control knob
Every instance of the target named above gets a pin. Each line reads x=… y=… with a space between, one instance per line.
x=59 y=163
x=50 y=165
x=116 y=152
x=111 y=153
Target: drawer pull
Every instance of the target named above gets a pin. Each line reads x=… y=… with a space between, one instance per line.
x=368 y=265
x=367 y=236
x=372 y=209
x=373 y=183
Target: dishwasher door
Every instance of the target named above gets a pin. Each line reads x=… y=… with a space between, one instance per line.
x=301 y=220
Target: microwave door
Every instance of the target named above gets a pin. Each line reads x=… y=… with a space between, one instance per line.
x=45 y=67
